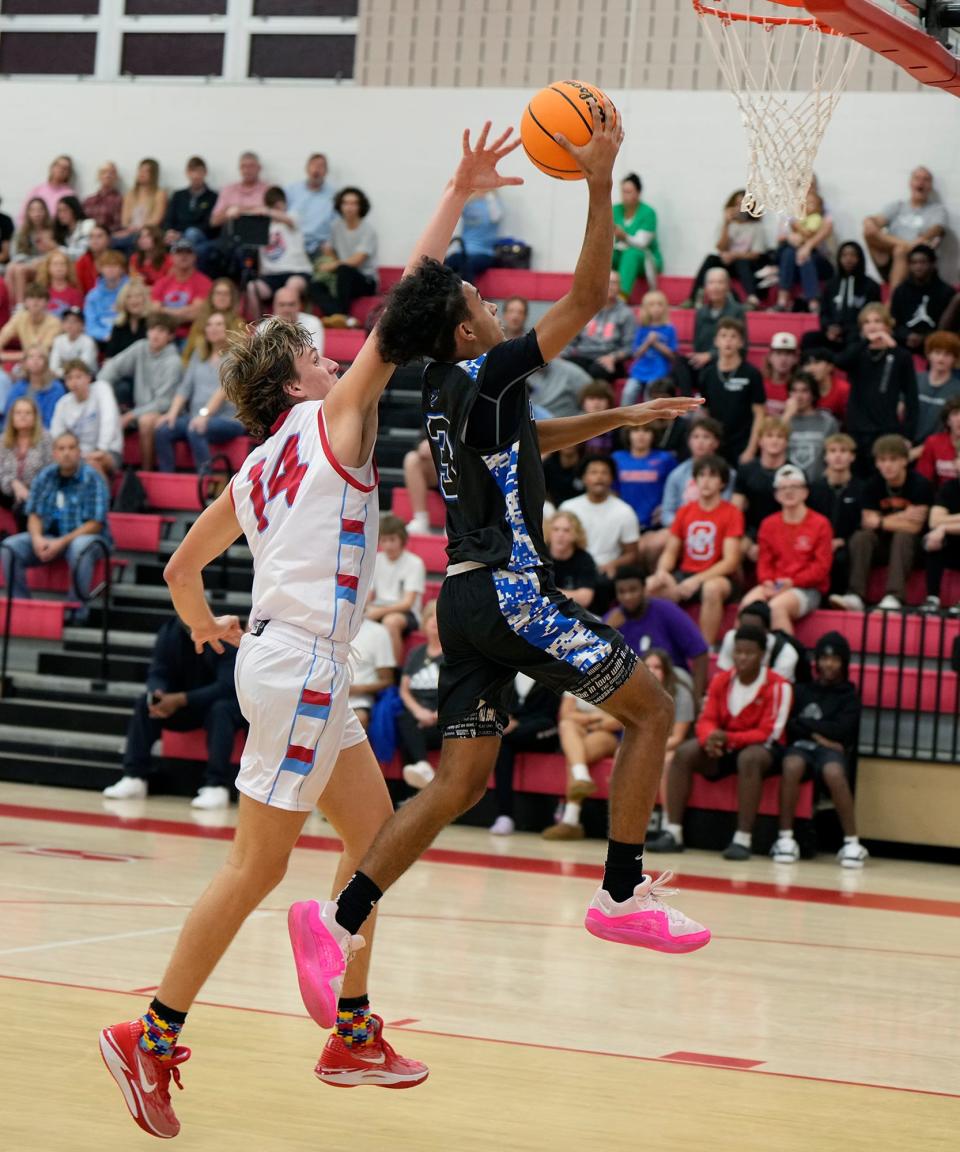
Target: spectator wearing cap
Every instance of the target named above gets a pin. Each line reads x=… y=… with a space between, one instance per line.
x=795 y=553
x=738 y=732
x=940 y=459
x=822 y=735
x=180 y=294
x=843 y=297
x=603 y=347
x=902 y=224
x=809 y=426
x=920 y=300
x=734 y=392
x=833 y=390
x=73 y=344
x=782 y=361
x=942 y=542
x=89 y=410
x=838 y=495
x=783 y=653
x=896 y=502
x=189 y=211
x=753 y=491
x=940 y=383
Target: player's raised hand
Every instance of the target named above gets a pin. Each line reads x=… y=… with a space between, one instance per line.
x=477 y=170
x=596 y=158
x=221 y=630
x=663 y=408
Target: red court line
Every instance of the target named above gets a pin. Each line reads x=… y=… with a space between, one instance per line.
x=712 y=1061
x=715 y=884
x=522 y=1043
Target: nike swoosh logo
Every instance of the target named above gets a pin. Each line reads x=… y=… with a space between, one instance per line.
x=381 y=1059
x=145 y=1082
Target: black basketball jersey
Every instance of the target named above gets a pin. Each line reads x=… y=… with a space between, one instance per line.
x=484 y=443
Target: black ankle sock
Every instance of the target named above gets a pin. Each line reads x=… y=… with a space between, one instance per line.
x=353 y=1003
x=171 y=1015
x=356 y=902
x=623 y=870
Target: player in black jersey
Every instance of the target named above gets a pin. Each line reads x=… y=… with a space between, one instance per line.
x=499 y=611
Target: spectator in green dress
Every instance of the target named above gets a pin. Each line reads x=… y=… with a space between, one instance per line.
x=636 y=252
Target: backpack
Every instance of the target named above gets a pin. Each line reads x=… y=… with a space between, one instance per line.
x=131 y=495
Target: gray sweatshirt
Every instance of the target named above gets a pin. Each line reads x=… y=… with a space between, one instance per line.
x=155 y=377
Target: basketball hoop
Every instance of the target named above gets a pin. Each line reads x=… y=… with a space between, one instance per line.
x=787 y=74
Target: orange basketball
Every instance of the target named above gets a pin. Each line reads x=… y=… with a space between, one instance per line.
x=564 y=107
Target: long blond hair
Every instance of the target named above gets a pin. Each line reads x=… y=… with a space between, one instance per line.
x=579 y=533
x=196 y=339
x=643 y=313
x=43 y=271
x=10 y=436
x=134 y=284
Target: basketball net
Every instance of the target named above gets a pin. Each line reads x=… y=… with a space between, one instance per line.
x=787 y=76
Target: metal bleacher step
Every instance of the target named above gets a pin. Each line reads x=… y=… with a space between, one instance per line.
x=122 y=641
x=81 y=745
x=63 y=717
x=86 y=664
x=74 y=689
x=21 y=766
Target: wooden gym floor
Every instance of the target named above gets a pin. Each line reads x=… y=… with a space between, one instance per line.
x=824 y=1015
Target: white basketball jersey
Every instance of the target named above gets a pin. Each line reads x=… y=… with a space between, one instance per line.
x=312 y=527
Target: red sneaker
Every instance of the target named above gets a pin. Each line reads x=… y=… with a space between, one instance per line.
x=376 y=1063
x=143 y=1079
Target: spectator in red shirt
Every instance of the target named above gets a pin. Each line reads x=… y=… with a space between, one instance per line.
x=782 y=362
x=57 y=275
x=181 y=293
x=86 y=266
x=940 y=458
x=739 y=731
x=151 y=261
x=834 y=389
x=106 y=204
x=795 y=556
x=702 y=555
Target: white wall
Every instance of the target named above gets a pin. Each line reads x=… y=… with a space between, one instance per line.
x=400 y=145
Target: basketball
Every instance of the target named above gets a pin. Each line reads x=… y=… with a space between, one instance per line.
x=564 y=107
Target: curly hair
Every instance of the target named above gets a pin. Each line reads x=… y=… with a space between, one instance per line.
x=259 y=364
x=421 y=315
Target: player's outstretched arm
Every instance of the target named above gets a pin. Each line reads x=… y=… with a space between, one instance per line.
x=591 y=277
x=214 y=532
x=567 y=431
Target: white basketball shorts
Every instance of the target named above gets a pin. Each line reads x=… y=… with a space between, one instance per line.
x=294 y=689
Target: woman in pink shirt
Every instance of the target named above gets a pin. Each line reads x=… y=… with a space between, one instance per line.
x=59 y=183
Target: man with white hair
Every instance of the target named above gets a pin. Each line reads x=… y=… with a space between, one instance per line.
x=890 y=234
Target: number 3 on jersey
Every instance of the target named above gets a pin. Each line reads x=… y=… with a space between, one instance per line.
x=438 y=429
x=286 y=476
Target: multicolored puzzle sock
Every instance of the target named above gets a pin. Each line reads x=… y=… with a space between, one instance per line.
x=355 y=1026
x=161 y=1030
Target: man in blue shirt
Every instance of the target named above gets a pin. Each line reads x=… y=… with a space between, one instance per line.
x=66 y=514
x=311 y=200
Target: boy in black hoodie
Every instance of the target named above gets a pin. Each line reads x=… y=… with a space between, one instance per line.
x=918 y=303
x=822 y=732
x=843 y=297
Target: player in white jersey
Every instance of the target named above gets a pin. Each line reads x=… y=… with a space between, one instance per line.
x=306 y=502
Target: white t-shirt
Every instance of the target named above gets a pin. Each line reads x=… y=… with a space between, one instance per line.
x=608 y=525
x=63 y=350
x=393 y=579
x=284 y=252
x=785 y=663
x=371 y=649
x=95 y=422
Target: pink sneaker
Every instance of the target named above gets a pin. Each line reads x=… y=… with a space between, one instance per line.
x=321 y=950
x=644 y=919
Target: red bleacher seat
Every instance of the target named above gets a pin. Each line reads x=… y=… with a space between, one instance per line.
x=432 y=550
x=137 y=531
x=193 y=745
x=36 y=619
x=173 y=490
x=436 y=510
x=762 y=325
x=55 y=576
x=343 y=344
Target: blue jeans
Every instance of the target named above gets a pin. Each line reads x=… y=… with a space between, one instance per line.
x=80 y=555
x=220 y=429
x=809 y=272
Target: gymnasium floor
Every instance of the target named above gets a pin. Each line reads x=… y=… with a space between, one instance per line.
x=823 y=1016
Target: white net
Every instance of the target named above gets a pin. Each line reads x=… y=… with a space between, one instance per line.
x=787 y=77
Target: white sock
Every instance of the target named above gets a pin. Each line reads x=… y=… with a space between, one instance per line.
x=426 y=767
x=571 y=814
x=785 y=834
x=422 y=520
x=675 y=830
x=580 y=772
x=851 y=839
x=743 y=838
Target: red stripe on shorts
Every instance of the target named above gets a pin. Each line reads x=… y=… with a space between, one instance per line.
x=295 y=752
x=321 y=698
x=353 y=526
x=345 y=581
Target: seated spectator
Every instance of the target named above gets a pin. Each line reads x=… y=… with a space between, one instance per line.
x=810 y=426
x=59 y=183
x=684 y=708
x=844 y=295
x=73 y=344
x=32 y=241
x=188 y=213
x=895 y=506
x=920 y=300
x=417 y=730
x=132 y=306
x=281 y=257
x=399 y=581
x=105 y=206
x=795 y=549
x=155 y=368
x=890 y=234
x=244 y=198
x=642 y=472
x=25 y=450
x=940 y=383
x=738 y=731
x=312 y=201
x=72 y=228
x=719 y=303
x=702 y=556
x=150 y=261
x=37 y=382
x=587 y=734
x=288 y=304
x=86 y=266
x=471 y=252
x=950 y=320
x=419 y=476
x=598 y=396
x=531 y=727
x=6 y=236
x=636 y=251
x=89 y=410
x=838 y=495
x=648 y=624
x=186 y=690
x=742 y=252
x=562 y=472
x=347 y=266
x=181 y=294
x=100 y=305
x=734 y=392
x=654 y=347
x=199 y=411
x=556 y=387
x=940 y=459
x=833 y=389
x=223 y=297
x=668 y=435
x=605 y=344
x=574 y=571
x=609 y=522
x=753 y=491
x=801 y=255
x=782 y=652
x=145 y=203
x=822 y=735
x=66 y=515
x=780 y=368
x=372 y=666
x=942 y=542
x=57 y=276
x=32 y=327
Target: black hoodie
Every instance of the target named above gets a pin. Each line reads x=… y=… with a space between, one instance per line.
x=829 y=710
x=846 y=294
x=917 y=308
